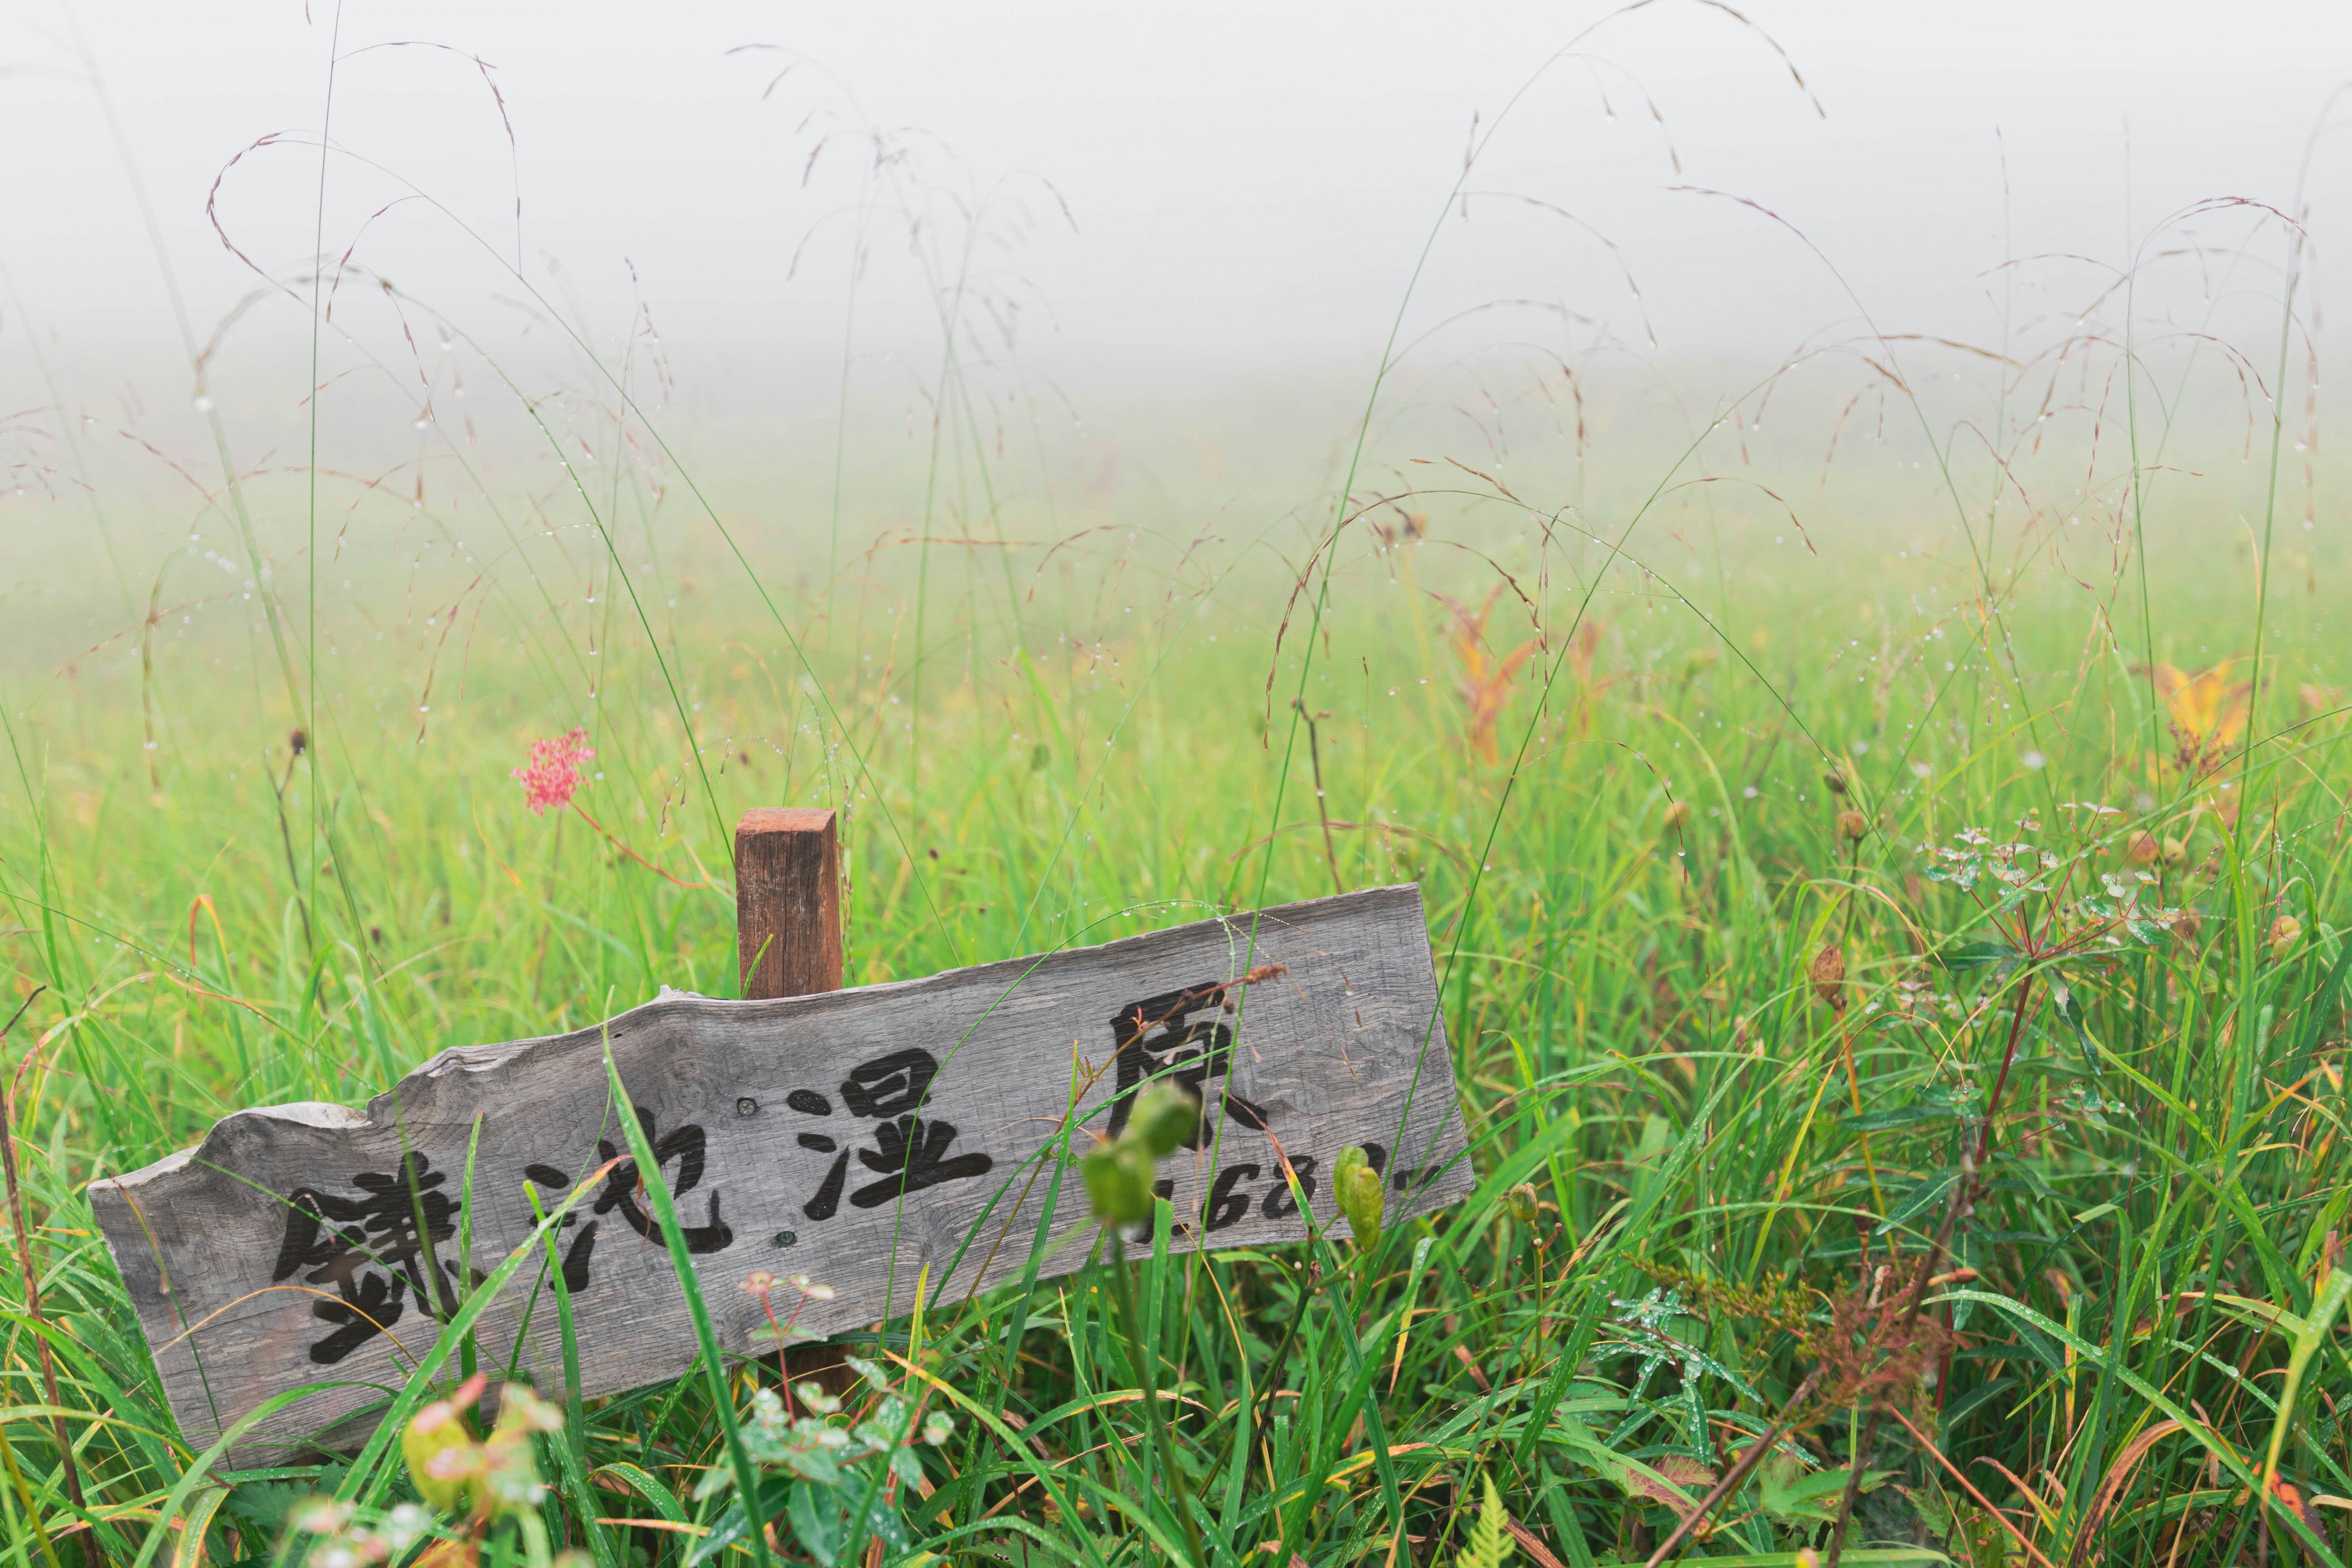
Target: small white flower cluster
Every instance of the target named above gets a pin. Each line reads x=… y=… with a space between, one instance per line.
x=824 y=1447
x=349 y=1544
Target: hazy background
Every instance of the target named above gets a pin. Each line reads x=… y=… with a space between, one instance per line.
x=1249 y=183
x=1175 y=239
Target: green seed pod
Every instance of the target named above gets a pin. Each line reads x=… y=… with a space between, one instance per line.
x=510 y=1483
x=1522 y=1203
x=1118 y=1182
x=1165 y=1118
x=1357 y=1186
x=439 y=1430
x=518 y=1406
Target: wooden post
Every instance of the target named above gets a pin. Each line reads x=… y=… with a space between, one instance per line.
x=788 y=941
x=788 y=902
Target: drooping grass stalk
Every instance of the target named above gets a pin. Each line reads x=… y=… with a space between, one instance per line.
x=309 y=708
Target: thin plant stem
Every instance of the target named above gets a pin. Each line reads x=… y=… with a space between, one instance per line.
x=96 y=1553
x=1145 y=1355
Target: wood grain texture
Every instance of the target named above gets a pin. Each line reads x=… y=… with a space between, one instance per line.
x=822 y=1145
x=788 y=902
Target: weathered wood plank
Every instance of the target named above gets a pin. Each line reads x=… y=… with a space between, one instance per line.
x=858 y=1137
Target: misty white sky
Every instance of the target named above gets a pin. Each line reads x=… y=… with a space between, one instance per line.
x=1250 y=182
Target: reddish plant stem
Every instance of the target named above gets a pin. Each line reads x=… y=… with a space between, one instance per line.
x=1963 y=1200
x=1964 y=1196
x=2008 y=1058
x=1669 y=1549
x=616 y=843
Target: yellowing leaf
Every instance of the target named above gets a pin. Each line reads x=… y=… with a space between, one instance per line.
x=2208 y=710
x=1484 y=685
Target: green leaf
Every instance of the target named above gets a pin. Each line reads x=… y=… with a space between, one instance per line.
x=1488 y=1543
x=732 y=1524
x=1875 y=1557
x=819 y=1522
x=1900 y=1116
x=665 y=1501
x=1962 y=956
x=1633 y=1477
x=821 y=1517
x=2308 y=1338
x=1793 y=1494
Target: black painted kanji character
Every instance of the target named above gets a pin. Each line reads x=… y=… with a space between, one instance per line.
x=912 y=1153
x=1156 y=1039
x=890 y=1086
x=376 y=1250
x=809 y=1103
x=682 y=1144
x=583 y=1245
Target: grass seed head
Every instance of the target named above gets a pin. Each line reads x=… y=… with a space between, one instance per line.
x=2285 y=932
x=1853 y=826
x=1827 y=975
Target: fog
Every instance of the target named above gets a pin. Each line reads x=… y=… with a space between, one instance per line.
x=1171 y=248
x=1169 y=195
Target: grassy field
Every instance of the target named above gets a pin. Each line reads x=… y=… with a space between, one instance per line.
x=1894 y=947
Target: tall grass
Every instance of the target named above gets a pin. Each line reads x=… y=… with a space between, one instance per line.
x=1900 y=1008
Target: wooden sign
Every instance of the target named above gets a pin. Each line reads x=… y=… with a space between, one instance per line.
x=855 y=1137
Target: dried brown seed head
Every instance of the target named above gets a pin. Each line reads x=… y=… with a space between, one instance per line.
x=1827 y=975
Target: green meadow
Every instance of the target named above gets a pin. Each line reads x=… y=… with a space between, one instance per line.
x=1886 y=869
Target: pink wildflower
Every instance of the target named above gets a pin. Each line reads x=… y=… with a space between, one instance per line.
x=553 y=777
